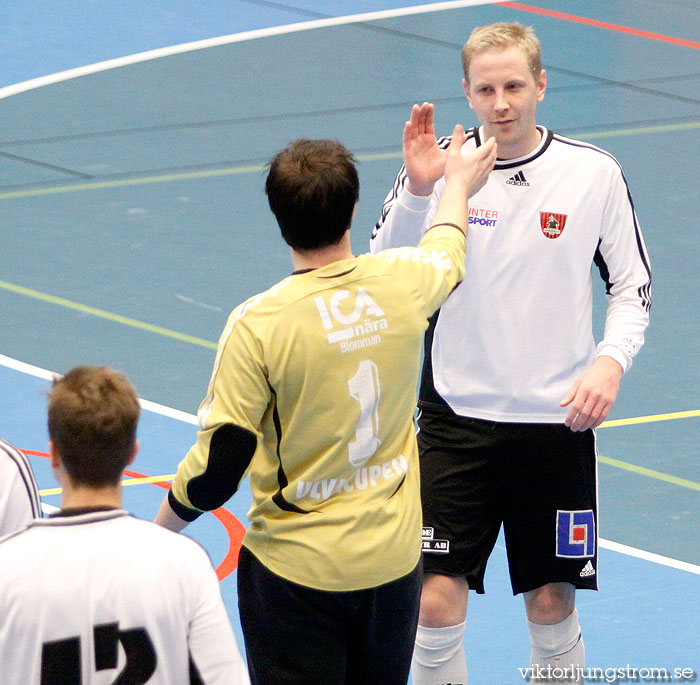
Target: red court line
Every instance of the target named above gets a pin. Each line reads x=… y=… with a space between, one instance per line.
x=600 y=24
x=233 y=526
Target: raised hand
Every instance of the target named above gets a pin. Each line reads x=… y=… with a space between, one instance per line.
x=473 y=168
x=464 y=175
x=423 y=158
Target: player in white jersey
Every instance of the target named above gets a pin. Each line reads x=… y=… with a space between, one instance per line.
x=19 y=496
x=313 y=394
x=93 y=595
x=513 y=384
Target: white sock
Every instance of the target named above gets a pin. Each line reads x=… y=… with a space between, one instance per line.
x=558 y=654
x=438 y=657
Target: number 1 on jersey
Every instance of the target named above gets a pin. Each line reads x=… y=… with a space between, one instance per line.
x=364 y=387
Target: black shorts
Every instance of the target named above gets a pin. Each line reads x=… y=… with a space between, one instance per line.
x=539 y=480
x=296 y=634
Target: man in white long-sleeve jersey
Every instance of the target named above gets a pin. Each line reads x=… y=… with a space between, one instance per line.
x=19 y=496
x=93 y=595
x=513 y=384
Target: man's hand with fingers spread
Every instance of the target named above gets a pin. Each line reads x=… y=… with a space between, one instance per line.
x=423 y=158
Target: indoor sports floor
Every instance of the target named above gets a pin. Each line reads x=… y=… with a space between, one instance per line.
x=133 y=219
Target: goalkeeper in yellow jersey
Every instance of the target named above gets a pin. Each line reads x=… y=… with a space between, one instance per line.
x=313 y=395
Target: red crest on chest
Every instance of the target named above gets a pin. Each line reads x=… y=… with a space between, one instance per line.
x=552 y=224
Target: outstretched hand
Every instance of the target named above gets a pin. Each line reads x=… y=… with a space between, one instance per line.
x=422 y=156
x=464 y=175
x=473 y=168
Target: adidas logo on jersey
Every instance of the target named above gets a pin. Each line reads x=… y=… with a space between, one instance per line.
x=517 y=180
x=587 y=570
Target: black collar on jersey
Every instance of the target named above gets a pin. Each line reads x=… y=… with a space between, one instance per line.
x=78 y=511
x=313 y=268
x=547 y=136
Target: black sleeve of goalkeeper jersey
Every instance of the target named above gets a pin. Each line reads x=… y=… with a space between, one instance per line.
x=230 y=452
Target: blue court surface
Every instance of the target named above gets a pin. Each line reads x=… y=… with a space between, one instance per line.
x=645 y=614
x=133 y=145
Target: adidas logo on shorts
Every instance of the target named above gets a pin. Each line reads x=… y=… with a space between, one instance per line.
x=587 y=570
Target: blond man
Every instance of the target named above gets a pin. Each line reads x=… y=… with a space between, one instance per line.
x=513 y=385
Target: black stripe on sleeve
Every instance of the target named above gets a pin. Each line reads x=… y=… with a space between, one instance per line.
x=278 y=498
x=230 y=451
x=185 y=513
x=401 y=178
x=599 y=261
x=644 y=291
x=195 y=675
x=26 y=474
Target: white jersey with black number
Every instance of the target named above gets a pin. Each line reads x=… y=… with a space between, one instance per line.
x=19 y=496
x=102 y=597
x=510 y=341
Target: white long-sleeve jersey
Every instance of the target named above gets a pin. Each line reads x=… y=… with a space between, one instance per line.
x=102 y=597
x=511 y=339
x=19 y=495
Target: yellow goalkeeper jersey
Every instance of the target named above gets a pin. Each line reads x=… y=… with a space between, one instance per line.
x=313 y=395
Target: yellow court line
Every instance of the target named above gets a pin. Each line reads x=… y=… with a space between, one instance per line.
x=651 y=418
x=143 y=180
x=644 y=130
x=117 y=318
x=142 y=325
x=658 y=475
x=634 y=468
x=257 y=168
x=128 y=481
x=148 y=479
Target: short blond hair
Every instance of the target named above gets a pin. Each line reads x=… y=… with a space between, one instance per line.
x=500 y=36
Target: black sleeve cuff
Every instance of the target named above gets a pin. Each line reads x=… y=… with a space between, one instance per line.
x=185 y=513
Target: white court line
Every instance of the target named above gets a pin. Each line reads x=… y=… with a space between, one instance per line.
x=50 y=375
x=31 y=84
x=649 y=556
x=190 y=418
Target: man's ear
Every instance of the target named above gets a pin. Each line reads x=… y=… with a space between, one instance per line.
x=541 y=85
x=55 y=456
x=133 y=454
x=465 y=85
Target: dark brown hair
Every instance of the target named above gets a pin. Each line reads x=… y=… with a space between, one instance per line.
x=312 y=188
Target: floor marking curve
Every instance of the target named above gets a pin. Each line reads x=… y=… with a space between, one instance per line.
x=243 y=36
x=624 y=549
x=234 y=528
